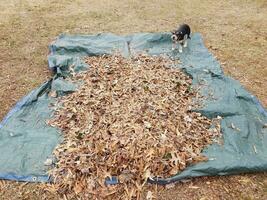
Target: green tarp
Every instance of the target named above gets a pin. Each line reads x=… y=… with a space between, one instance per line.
x=26 y=142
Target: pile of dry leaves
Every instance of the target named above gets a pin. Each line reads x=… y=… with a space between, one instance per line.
x=131 y=119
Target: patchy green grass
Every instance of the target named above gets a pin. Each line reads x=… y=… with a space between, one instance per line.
x=234 y=30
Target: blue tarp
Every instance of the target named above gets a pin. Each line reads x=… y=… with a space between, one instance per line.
x=26 y=142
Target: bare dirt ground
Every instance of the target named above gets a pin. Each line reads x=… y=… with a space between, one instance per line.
x=234 y=30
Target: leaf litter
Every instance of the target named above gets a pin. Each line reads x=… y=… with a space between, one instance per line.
x=132 y=119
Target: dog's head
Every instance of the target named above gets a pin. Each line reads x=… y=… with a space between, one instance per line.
x=176 y=35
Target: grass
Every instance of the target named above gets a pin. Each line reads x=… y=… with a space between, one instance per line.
x=234 y=30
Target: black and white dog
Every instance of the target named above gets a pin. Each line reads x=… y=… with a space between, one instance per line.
x=180 y=36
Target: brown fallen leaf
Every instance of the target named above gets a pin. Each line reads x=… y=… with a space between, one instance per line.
x=193 y=187
x=149 y=196
x=53 y=93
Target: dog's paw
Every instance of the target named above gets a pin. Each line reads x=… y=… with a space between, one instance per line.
x=180 y=51
x=173 y=48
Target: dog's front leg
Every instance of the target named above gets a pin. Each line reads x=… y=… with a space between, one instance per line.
x=174 y=44
x=185 y=40
x=180 y=48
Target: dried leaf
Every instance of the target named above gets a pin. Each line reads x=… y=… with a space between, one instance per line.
x=149 y=195
x=193 y=187
x=53 y=93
